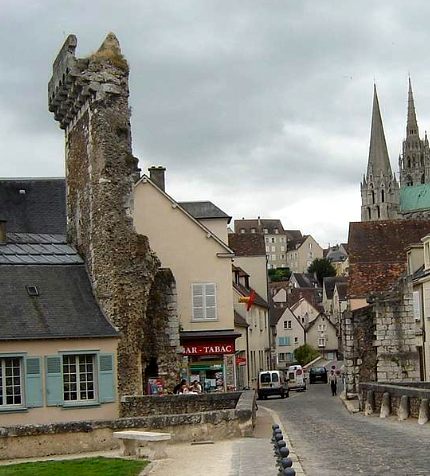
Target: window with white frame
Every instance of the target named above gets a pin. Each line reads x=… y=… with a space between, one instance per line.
x=287 y=324
x=276 y=231
x=267 y=249
x=79 y=378
x=417 y=305
x=273 y=248
x=283 y=341
x=322 y=327
x=252 y=230
x=273 y=257
x=11 y=388
x=242 y=231
x=265 y=230
x=204 y=301
x=273 y=240
x=281 y=357
x=282 y=248
x=267 y=239
x=321 y=342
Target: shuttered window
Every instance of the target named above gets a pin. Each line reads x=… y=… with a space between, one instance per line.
x=204 y=301
x=426 y=292
x=417 y=306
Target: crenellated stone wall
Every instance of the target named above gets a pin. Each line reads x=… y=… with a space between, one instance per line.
x=89 y=98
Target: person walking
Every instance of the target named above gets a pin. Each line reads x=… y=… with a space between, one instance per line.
x=332 y=380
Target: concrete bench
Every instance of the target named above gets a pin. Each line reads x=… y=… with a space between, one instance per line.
x=132 y=439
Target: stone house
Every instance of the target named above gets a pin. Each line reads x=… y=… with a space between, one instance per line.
x=290 y=334
x=254 y=323
x=275 y=238
x=58 y=351
x=329 y=285
x=340 y=301
x=306 y=311
x=301 y=252
x=322 y=334
x=190 y=239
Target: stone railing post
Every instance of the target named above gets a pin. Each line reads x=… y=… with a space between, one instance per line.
x=403 y=411
x=424 y=416
x=385 y=405
x=369 y=407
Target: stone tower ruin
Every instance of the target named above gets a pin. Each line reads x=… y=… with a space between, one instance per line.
x=89 y=99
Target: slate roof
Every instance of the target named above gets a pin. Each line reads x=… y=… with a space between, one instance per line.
x=204 y=210
x=305 y=280
x=64 y=308
x=415 y=198
x=247 y=244
x=33 y=205
x=293 y=234
x=38 y=249
x=296 y=244
x=342 y=289
x=330 y=283
x=259 y=301
x=259 y=225
x=377 y=253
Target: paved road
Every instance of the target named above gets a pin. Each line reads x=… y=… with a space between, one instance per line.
x=331 y=442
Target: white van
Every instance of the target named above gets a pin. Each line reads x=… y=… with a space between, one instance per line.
x=296 y=377
x=272 y=382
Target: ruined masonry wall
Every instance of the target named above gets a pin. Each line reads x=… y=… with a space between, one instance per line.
x=89 y=98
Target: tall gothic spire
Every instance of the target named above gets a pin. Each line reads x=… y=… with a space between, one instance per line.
x=379 y=161
x=412 y=125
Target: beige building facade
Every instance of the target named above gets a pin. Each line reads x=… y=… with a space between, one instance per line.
x=290 y=334
x=302 y=252
x=321 y=334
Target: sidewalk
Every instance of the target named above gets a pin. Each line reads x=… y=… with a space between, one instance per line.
x=239 y=457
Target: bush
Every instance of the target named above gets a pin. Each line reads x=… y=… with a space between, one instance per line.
x=305 y=354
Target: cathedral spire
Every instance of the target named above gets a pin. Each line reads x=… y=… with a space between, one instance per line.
x=412 y=125
x=379 y=161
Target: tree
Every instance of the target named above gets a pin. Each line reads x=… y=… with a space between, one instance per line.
x=323 y=269
x=305 y=354
x=279 y=274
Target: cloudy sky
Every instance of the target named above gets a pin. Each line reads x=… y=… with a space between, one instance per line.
x=262 y=106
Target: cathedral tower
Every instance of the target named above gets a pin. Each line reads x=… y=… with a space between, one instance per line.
x=379 y=189
x=414 y=161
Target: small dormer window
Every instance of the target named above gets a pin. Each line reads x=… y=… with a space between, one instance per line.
x=252 y=230
x=265 y=230
x=32 y=290
x=242 y=231
x=22 y=191
x=276 y=231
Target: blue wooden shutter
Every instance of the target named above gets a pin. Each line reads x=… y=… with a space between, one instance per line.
x=54 y=380
x=106 y=378
x=33 y=382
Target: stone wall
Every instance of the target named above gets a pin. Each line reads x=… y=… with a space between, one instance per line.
x=379 y=340
x=89 y=98
x=34 y=441
x=145 y=405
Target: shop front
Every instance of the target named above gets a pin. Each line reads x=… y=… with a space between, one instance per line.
x=209 y=357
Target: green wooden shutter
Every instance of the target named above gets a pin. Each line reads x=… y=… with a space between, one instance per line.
x=33 y=382
x=54 y=380
x=106 y=378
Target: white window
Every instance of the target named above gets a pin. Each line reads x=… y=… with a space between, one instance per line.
x=242 y=231
x=321 y=342
x=11 y=391
x=417 y=306
x=265 y=230
x=273 y=248
x=204 y=301
x=267 y=249
x=252 y=230
x=273 y=257
x=78 y=378
x=282 y=248
x=276 y=231
x=310 y=246
x=287 y=324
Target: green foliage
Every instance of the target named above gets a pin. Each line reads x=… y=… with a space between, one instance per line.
x=305 y=354
x=279 y=274
x=86 y=466
x=323 y=268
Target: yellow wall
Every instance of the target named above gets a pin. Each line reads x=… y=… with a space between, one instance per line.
x=41 y=348
x=183 y=246
x=256 y=267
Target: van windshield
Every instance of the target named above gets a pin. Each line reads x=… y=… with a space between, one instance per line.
x=265 y=378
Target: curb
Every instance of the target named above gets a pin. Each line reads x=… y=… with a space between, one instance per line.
x=147 y=469
x=293 y=455
x=350 y=405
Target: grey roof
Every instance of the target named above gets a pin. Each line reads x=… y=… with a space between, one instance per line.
x=204 y=210
x=33 y=205
x=306 y=280
x=38 y=249
x=330 y=282
x=64 y=308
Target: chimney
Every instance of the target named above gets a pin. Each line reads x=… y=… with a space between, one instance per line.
x=156 y=174
x=2 y=231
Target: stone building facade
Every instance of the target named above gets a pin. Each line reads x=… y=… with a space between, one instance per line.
x=89 y=98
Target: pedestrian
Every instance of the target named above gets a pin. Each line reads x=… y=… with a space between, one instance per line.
x=332 y=380
x=196 y=387
x=179 y=386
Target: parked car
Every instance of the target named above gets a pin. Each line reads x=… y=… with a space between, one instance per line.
x=272 y=382
x=318 y=374
x=296 y=378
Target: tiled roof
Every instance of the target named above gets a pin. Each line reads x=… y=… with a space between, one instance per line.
x=204 y=210
x=259 y=301
x=38 y=249
x=259 y=225
x=64 y=307
x=33 y=205
x=377 y=253
x=330 y=282
x=247 y=244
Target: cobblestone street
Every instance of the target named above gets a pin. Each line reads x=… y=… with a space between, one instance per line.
x=329 y=441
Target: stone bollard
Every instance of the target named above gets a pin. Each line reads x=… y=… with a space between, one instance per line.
x=385 y=405
x=283 y=453
x=403 y=411
x=289 y=472
x=369 y=407
x=284 y=464
x=424 y=415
